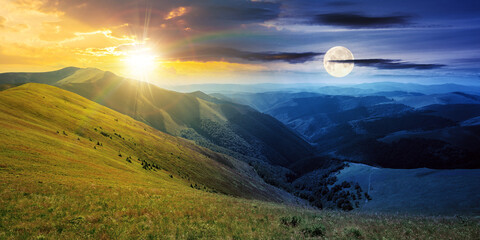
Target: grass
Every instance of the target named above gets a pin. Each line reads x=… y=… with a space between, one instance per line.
x=55 y=132
x=58 y=186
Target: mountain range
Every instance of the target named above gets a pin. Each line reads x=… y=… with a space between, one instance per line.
x=301 y=142
x=440 y=130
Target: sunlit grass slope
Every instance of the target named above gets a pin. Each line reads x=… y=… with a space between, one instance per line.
x=195 y=116
x=62 y=177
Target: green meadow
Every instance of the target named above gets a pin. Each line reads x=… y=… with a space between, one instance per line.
x=73 y=169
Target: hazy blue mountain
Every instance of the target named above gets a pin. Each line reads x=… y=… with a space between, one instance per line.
x=439 y=130
x=263 y=101
x=419 y=101
x=413 y=87
x=339 y=89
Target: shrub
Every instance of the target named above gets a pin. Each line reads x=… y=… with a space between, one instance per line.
x=339 y=202
x=105 y=134
x=314 y=231
x=347 y=206
x=368 y=196
x=353 y=232
x=291 y=221
x=336 y=188
x=330 y=196
x=319 y=204
x=331 y=180
x=345 y=184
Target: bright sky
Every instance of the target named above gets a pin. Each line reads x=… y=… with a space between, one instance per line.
x=240 y=41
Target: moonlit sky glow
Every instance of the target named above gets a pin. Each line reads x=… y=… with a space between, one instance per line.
x=182 y=42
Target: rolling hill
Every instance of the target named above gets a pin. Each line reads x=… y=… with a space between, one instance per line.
x=70 y=166
x=73 y=169
x=90 y=137
x=217 y=124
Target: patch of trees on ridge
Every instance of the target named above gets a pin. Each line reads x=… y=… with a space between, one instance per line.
x=326 y=193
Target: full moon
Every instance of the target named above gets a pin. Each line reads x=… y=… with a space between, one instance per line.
x=338 y=69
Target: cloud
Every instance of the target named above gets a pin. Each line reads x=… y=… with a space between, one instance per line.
x=290 y=57
x=2 y=22
x=212 y=15
x=390 y=64
x=355 y=20
x=177 y=12
x=10 y=27
x=218 y=53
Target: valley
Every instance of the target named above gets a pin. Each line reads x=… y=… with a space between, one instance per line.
x=74 y=168
x=239 y=120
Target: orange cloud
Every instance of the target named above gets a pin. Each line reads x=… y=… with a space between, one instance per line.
x=2 y=22
x=177 y=12
x=12 y=27
x=44 y=6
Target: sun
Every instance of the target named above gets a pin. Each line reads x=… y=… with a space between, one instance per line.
x=141 y=64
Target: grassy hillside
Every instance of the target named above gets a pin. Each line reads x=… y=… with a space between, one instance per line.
x=47 y=118
x=196 y=116
x=62 y=177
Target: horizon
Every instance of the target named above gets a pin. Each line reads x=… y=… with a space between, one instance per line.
x=317 y=83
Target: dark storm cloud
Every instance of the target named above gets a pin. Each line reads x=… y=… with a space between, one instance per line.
x=390 y=64
x=355 y=20
x=213 y=54
x=281 y=56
